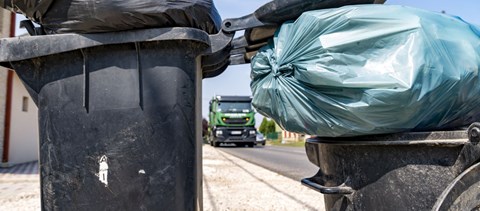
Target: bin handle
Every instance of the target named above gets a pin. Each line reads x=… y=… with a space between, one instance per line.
x=219 y=42
x=242 y=23
x=278 y=11
x=341 y=189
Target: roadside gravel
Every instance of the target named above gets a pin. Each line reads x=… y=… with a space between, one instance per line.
x=230 y=183
x=19 y=192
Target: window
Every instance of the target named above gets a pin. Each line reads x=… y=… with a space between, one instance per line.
x=25 y=104
x=236 y=107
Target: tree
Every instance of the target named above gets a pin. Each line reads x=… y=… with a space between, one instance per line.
x=270 y=128
x=263 y=126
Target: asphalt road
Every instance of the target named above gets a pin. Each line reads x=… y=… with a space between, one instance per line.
x=291 y=162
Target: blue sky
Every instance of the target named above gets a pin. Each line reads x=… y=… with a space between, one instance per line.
x=236 y=79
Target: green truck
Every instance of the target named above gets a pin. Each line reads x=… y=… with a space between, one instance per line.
x=231 y=120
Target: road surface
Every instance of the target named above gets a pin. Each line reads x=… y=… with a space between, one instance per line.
x=291 y=162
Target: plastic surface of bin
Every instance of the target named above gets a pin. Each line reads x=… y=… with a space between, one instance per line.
x=463 y=193
x=407 y=171
x=119 y=116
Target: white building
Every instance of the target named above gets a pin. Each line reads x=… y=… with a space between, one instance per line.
x=18 y=113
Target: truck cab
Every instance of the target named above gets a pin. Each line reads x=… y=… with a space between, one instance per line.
x=232 y=120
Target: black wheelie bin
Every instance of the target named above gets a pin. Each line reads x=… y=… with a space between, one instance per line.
x=119 y=115
x=434 y=170
x=408 y=171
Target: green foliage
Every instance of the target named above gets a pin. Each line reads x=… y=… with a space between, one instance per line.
x=267 y=127
x=288 y=144
x=263 y=126
x=273 y=136
x=270 y=127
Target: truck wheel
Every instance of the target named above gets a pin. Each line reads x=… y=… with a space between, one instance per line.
x=216 y=144
x=251 y=145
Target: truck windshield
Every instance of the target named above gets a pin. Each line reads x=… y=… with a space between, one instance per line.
x=236 y=107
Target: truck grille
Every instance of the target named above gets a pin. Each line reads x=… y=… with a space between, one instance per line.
x=235 y=120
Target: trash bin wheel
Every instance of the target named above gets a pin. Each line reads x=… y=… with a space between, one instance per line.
x=463 y=193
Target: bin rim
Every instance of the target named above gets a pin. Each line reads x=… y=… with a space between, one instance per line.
x=434 y=138
x=28 y=47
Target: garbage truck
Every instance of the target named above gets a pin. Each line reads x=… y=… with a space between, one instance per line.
x=231 y=120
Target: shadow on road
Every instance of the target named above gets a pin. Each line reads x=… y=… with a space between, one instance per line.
x=24 y=168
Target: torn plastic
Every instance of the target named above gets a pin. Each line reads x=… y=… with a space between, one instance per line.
x=90 y=16
x=369 y=69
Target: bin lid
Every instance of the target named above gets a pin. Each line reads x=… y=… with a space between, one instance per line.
x=22 y=48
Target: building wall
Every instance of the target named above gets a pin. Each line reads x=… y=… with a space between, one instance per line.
x=4 y=32
x=23 y=144
x=24 y=126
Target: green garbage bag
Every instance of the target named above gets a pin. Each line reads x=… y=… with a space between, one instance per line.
x=369 y=69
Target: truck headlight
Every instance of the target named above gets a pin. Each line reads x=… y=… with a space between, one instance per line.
x=253 y=132
x=219 y=132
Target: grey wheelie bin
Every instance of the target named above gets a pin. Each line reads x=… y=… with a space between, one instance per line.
x=409 y=171
x=119 y=115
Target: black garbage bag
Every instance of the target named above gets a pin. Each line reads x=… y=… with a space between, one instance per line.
x=91 y=16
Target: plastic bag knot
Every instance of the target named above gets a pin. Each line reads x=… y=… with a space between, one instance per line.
x=283 y=70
